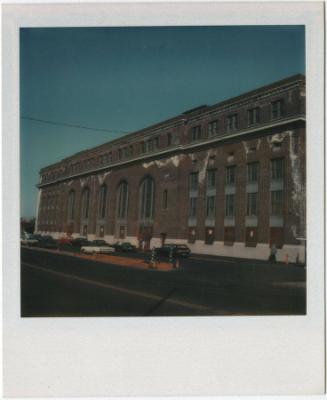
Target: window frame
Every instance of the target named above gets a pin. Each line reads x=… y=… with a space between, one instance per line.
x=229 y=174
x=230 y=205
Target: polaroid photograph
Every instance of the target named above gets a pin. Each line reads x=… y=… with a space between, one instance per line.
x=164 y=203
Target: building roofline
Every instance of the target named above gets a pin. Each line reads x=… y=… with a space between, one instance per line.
x=188 y=114
x=179 y=148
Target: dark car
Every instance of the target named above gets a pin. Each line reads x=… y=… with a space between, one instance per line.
x=125 y=247
x=48 y=242
x=79 y=242
x=176 y=250
x=98 y=242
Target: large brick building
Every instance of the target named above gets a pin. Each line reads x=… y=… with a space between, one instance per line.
x=227 y=179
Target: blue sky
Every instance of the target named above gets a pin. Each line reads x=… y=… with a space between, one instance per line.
x=124 y=79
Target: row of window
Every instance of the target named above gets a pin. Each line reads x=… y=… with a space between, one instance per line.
x=232 y=121
x=276 y=174
x=125 y=152
x=152 y=144
x=276 y=196
x=276 y=205
x=146 y=201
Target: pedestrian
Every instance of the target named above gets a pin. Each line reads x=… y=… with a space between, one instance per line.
x=273 y=251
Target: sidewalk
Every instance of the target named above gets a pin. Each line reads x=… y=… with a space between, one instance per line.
x=110 y=259
x=207 y=257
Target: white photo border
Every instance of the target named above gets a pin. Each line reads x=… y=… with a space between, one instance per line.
x=78 y=357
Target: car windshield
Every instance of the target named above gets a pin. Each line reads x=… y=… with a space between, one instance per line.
x=100 y=243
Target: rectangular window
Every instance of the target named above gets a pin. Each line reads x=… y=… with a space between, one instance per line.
x=253 y=116
x=156 y=142
x=211 y=179
x=277 y=169
x=192 y=207
x=120 y=154
x=230 y=205
x=213 y=128
x=196 y=133
x=131 y=150
x=277 y=109
x=252 y=204
x=108 y=158
x=230 y=175
x=276 y=203
x=253 y=172
x=143 y=147
x=150 y=144
x=194 y=181
x=232 y=122
x=211 y=201
x=169 y=139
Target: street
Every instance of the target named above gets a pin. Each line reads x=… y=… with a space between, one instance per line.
x=63 y=285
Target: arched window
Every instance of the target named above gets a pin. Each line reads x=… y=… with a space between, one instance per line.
x=147 y=198
x=71 y=204
x=103 y=201
x=85 y=203
x=122 y=200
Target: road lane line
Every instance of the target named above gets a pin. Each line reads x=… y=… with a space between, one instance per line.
x=118 y=288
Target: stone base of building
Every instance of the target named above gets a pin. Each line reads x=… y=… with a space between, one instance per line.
x=288 y=253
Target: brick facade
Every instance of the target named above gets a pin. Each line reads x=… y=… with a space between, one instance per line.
x=247 y=210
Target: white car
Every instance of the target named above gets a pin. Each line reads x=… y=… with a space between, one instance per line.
x=97 y=246
x=28 y=239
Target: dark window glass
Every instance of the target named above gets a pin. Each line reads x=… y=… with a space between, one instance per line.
x=230 y=175
x=277 y=109
x=211 y=200
x=192 y=207
x=252 y=204
x=253 y=172
x=147 y=198
x=85 y=203
x=194 y=181
x=122 y=200
x=276 y=203
x=211 y=179
x=254 y=116
x=143 y=147
x=213 y=128
x=196 y=133
x=277 y=169
x=169 y=139
x=103 y=201
x=229 y=205
x=232 y=122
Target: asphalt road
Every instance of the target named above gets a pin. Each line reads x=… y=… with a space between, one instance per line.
x=53 y=284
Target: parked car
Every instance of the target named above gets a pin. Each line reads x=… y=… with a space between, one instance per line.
x=28 y=239
x=177 y=250
x=47 y=242
x=65 y=241
x=98 y=246
x=125 y=247
x=80 y=241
